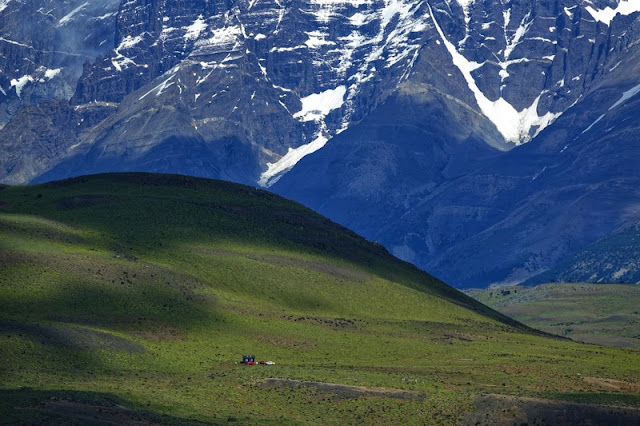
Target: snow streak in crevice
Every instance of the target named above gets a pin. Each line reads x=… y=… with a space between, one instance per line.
x=515 y=126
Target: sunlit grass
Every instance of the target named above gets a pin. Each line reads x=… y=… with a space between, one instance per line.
x=197 y=273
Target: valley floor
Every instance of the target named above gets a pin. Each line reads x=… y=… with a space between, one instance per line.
x=604 y=314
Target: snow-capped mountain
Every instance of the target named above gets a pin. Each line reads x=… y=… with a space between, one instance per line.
x=421 y=174
x=406 y=120
x=244 y=89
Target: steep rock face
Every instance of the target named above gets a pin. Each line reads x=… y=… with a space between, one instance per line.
x=44 y=44
x=266 y=82
x=259 y=84
x=572 y=189
x=40 y=134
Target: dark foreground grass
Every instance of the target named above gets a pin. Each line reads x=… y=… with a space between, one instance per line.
x=130 y=298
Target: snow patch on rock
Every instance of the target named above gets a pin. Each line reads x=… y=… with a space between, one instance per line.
x=606 y=15
x=19 y=83
x=225 y=37
x=67 y=18
x=593 y=124
x=49 y=74
x=626 y=95
x=317 y=39
x=194 y=30
x=515 y=126
x=290 y=159
x=4 y=4
x=120 y=60
x=316 y=106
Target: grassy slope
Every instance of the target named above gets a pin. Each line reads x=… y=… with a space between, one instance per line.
x=143 y=290
x=605 y=314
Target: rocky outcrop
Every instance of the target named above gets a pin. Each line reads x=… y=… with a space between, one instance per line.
x=43 y=46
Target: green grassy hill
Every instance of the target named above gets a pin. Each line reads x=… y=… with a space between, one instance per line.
x=606 y=314
x=130 y=298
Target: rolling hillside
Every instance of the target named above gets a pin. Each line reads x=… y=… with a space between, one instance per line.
x=130 y=298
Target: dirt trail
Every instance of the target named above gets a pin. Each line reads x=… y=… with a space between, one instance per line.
x=344 y=391
x=611 y=384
